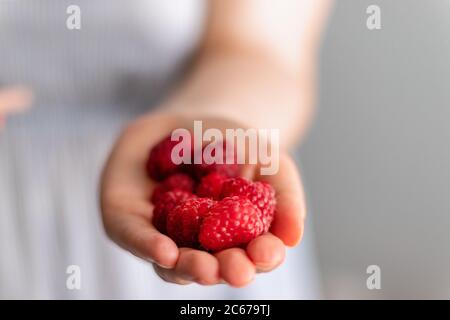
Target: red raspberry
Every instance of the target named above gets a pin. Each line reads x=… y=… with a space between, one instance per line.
x=168 y=201
x=183 y=222
x=159 y=163
x=211 y=185
x=224 y=168
x=178 y=181
x=229 y=170
x=232 y=222
x=235 y=187
x=261 y=194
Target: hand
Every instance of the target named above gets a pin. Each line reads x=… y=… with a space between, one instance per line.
x=13 y=99
x=127 y=213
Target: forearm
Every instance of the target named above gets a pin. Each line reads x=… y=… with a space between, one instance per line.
x=256 y=65
x=248 y=88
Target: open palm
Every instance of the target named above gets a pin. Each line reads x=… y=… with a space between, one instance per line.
x=127 y=213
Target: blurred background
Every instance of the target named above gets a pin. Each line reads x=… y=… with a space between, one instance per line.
x=376 y=163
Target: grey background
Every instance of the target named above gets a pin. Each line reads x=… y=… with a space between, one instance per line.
x=377 y=162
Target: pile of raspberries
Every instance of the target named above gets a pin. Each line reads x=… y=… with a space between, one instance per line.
x=207 y=206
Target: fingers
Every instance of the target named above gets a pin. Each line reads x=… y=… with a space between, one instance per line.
x=291 y=210
x=169 y=275
x=236 y=269
x=136 y=234
x=192 y=266
x=235 y=266
x=267 y=252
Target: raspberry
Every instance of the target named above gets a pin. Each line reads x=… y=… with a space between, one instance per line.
x=224 y=168
x=261 y=194
x=229 y=170
x=235 y=187
x=183 y=222
x=232 y=222
x=178 y=181
x=159 y=163
x=167 y=202
x=211 y=185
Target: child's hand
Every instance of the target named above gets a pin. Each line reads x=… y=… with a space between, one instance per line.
x=127 y=213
